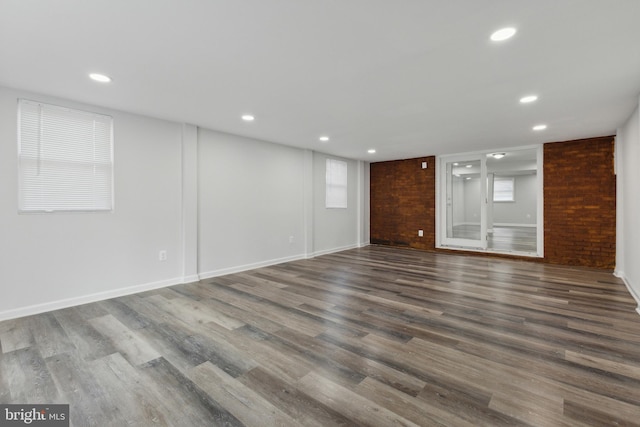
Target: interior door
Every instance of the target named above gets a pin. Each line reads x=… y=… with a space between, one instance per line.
x=464 y=204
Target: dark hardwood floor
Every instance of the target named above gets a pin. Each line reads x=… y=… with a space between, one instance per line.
x=373 y=336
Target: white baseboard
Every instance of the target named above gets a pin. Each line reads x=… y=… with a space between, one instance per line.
x=190 y=279
x=245 y=267
x=334 y=250
x=85 y=299
x=634 y=294
x=101 y=296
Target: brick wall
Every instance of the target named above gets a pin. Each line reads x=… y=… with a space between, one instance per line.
x=580 y=203
x=403 y=201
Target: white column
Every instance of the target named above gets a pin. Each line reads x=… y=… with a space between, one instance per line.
x=189 y=237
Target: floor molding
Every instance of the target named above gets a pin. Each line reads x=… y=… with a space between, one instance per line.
x=85 y=299
x=625 y=280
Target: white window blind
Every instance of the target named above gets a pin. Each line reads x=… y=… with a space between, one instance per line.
x=336 y=184
x=65 y=159
x=503 y=189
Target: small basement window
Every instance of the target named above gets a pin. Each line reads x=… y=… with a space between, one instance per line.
x=65 y=159
x=336 y=184
x=503 y=189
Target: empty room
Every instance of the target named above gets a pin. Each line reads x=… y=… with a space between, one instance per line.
x=319 y=213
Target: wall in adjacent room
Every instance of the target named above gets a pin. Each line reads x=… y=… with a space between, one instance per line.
x=522 y=211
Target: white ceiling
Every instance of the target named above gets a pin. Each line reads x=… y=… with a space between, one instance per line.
x=406 y=77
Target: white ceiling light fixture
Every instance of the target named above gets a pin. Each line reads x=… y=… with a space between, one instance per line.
x=324 y=138
x=469 y=166
x=498 y=156
x=503 y=34
x=528 y=99
x=248 y=118
x=539 y=127
x=102 y=78
x=371 y=151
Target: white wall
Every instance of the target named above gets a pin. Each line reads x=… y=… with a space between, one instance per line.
x=53 y=260
x=217 y=203
x=523 y=210
x=628 y=204
x=251 y=201
x=335 y=228
x=504 y=213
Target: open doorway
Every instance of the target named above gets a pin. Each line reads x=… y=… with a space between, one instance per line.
x=492 y=202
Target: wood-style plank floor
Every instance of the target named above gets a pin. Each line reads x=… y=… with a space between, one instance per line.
x=374 y=336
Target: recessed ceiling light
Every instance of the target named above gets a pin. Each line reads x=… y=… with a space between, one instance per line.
x=468 y=178
x=539 y=127
x=248 y=118
x=100 y=78
x=371 y=151
x=456 y=164
x=324 y=138
x=498 y=155
x=469 y=166
x=529 y=98
x=503 y=34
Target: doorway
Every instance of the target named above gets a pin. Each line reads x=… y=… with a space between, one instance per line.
x=492 y=201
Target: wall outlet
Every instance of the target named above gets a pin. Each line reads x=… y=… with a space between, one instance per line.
x=162 y=255
x=424 y=165
x=290 y=239
x=420 y=233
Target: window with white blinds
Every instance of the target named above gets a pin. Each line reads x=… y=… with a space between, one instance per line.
x=336 y=184
x=65 y=159
x=503 y=189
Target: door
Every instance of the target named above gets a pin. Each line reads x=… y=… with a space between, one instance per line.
x=464 y=204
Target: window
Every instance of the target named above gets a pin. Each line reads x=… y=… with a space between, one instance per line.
x=503 y=189
x=65 y=159
x=336 y=184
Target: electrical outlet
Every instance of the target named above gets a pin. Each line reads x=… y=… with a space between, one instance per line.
x=162 y=255
x=424 y=165
x=290 y=239
x=420 y=233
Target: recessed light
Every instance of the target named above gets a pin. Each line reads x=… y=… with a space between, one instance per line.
x=248 y=118
x=456 y=164
x=100 y=77
x=503 y=34
x=498 y=155
x=468 y=178
x=469 y=166
x=539 y=127
x=371 y=151
x=529 y=98
x=324 y=138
